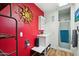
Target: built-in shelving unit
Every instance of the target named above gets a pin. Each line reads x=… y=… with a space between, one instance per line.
x=64 y=28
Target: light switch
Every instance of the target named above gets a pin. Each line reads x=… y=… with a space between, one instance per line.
x=21 y=34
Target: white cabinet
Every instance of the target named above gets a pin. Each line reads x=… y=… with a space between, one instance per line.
x=42 y=23
x=43 y=39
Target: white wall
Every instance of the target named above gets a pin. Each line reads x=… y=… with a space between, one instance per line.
x=75 y=24
x=72 y=21
x=51 y=28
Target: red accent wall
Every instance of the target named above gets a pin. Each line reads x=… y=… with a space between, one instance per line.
x=30 y=31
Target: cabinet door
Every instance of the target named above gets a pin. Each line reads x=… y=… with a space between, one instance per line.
x=41 y=22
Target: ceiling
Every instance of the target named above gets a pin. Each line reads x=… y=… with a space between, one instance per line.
x=47 y=7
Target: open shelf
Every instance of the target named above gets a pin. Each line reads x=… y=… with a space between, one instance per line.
x=64 y=25
x=4 y=36
x=64 y=19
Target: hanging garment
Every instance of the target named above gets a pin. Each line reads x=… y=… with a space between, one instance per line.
x=74 y=38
